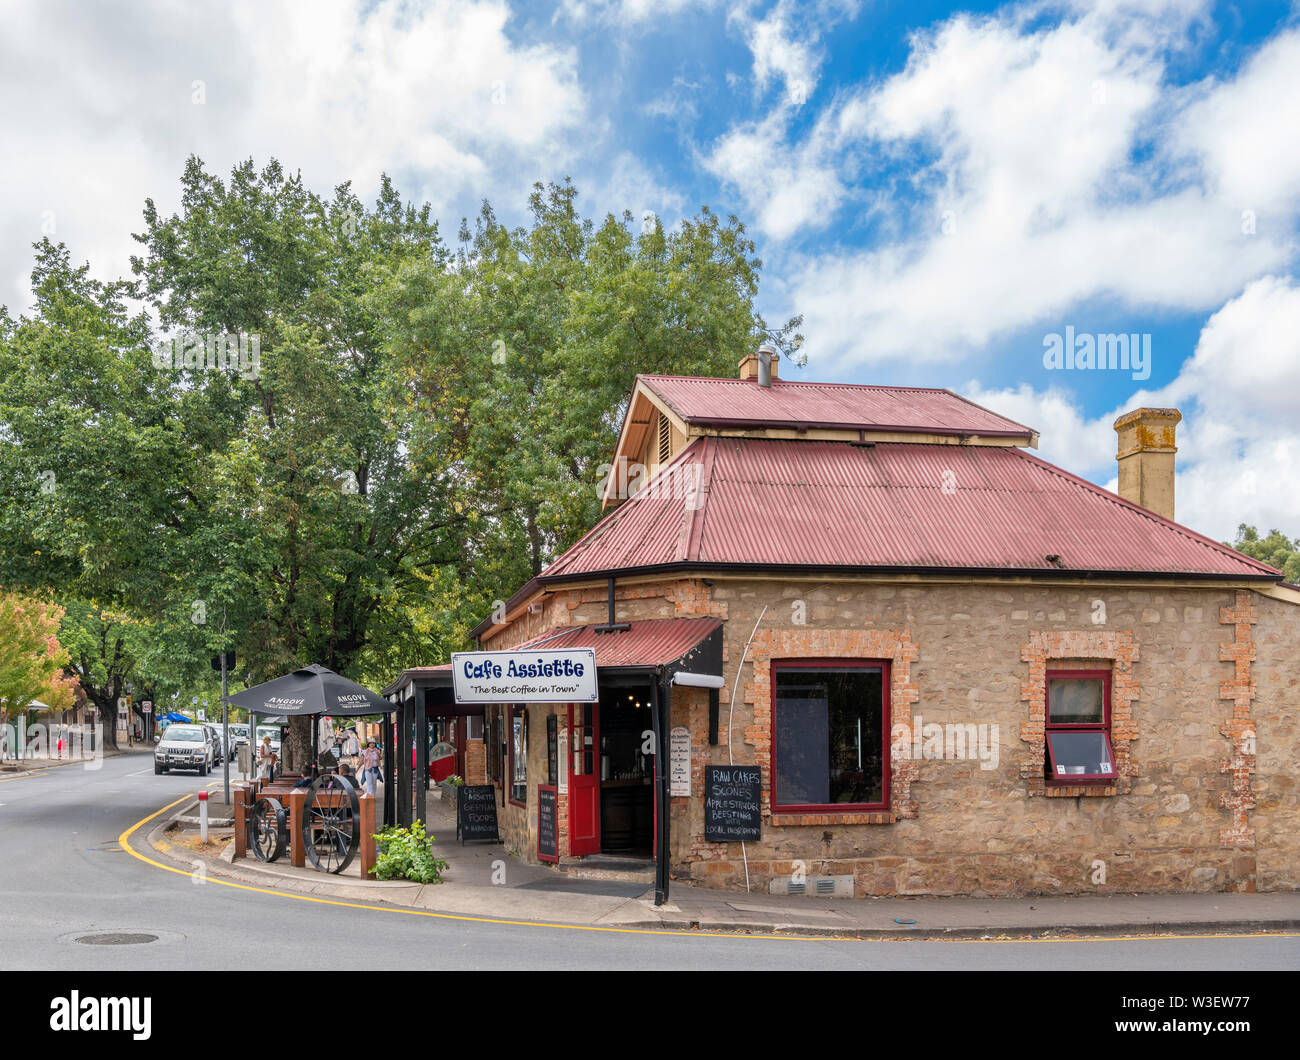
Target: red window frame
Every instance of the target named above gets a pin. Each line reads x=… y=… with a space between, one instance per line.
x=1103 y=727
x=519 y=710
x=814 y=665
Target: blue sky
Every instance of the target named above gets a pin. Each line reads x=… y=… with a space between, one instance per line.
x=938 y=189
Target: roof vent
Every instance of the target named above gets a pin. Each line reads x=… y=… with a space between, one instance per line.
x=767 y=358
x=760 y=366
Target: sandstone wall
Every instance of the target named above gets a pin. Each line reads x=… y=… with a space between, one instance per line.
x=1205 y=697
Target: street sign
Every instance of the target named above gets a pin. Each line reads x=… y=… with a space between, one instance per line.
x=147 y=706
x=230 y=661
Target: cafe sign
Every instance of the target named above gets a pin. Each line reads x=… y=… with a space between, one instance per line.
x=567 y=676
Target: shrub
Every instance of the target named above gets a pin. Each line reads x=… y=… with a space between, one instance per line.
x=407 y=853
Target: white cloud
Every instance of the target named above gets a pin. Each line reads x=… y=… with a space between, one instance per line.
x=1008 y=178
x=1239 y=443
x=788 y=189
x=1244 y=135
x=626 y=12
x=782 y=51
x=438 y=96
x=1066 y=438
x=630 y=185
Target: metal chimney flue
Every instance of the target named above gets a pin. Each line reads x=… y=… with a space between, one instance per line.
x=767 y=356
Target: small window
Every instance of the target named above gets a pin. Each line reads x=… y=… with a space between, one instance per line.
x=1077 y=728
x=665 y=439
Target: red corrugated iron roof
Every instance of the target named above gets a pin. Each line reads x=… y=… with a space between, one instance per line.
x=646 y=642
x=742 y=402
x=785 y=503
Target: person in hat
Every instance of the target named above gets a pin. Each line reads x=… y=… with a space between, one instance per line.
x=265 y=758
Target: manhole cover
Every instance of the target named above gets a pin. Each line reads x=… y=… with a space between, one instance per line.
x=116 y=938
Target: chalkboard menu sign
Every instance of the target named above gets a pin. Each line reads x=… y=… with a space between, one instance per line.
x=732 y=803
x=548 y=824
x=476 y=812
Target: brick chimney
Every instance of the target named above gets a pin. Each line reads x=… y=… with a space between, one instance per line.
x=751 y=367
x=1146 y=458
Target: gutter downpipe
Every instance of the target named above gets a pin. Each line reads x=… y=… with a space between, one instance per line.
x=731 y=710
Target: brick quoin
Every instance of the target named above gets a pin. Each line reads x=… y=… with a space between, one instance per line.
x=1239 y=729
x=893 y=646
x=1113 y=650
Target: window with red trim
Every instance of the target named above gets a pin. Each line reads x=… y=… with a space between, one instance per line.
x=830 y=736
x=1077 y=728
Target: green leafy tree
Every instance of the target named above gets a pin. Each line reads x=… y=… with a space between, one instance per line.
x=31 y=659
x=316 y=521
x=522 y=356
x=408 y=432
x=1276 y=550
x=96 y=458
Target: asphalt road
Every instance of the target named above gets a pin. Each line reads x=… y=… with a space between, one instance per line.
x=64 y=875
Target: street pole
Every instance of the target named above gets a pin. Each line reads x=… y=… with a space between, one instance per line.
x=225 y=725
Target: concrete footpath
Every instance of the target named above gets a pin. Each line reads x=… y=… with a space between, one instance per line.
x=486 y=881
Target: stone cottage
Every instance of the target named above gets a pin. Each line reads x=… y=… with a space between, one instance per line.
x=932 y=662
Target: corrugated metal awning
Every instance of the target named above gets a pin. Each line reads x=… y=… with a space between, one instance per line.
x=648 y=643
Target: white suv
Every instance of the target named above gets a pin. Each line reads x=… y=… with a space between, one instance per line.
x=183 y=747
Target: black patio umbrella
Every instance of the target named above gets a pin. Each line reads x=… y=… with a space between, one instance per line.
x=311 y=690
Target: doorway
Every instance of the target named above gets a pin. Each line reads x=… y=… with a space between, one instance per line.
x=626 y=773
x=456 y=729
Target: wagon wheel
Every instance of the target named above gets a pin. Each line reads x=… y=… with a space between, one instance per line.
x=331 y=823
x=268 y=829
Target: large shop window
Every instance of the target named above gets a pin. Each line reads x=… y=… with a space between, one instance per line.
x=519 y=755
x=1077 y=727
x=830 y=747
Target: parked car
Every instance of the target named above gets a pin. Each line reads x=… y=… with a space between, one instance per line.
x=228 y=751
x=183 y=747
x=238 y=735
x=214 y=738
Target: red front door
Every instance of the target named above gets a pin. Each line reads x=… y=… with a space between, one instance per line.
x=584 y=779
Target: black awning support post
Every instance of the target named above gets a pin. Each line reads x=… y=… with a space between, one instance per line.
x=402 y=763
x=713 y=717
x=390 y=781
x=659 y=707
x=421 y=780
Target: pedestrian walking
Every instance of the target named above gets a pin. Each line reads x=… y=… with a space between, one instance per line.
x=370 y=767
